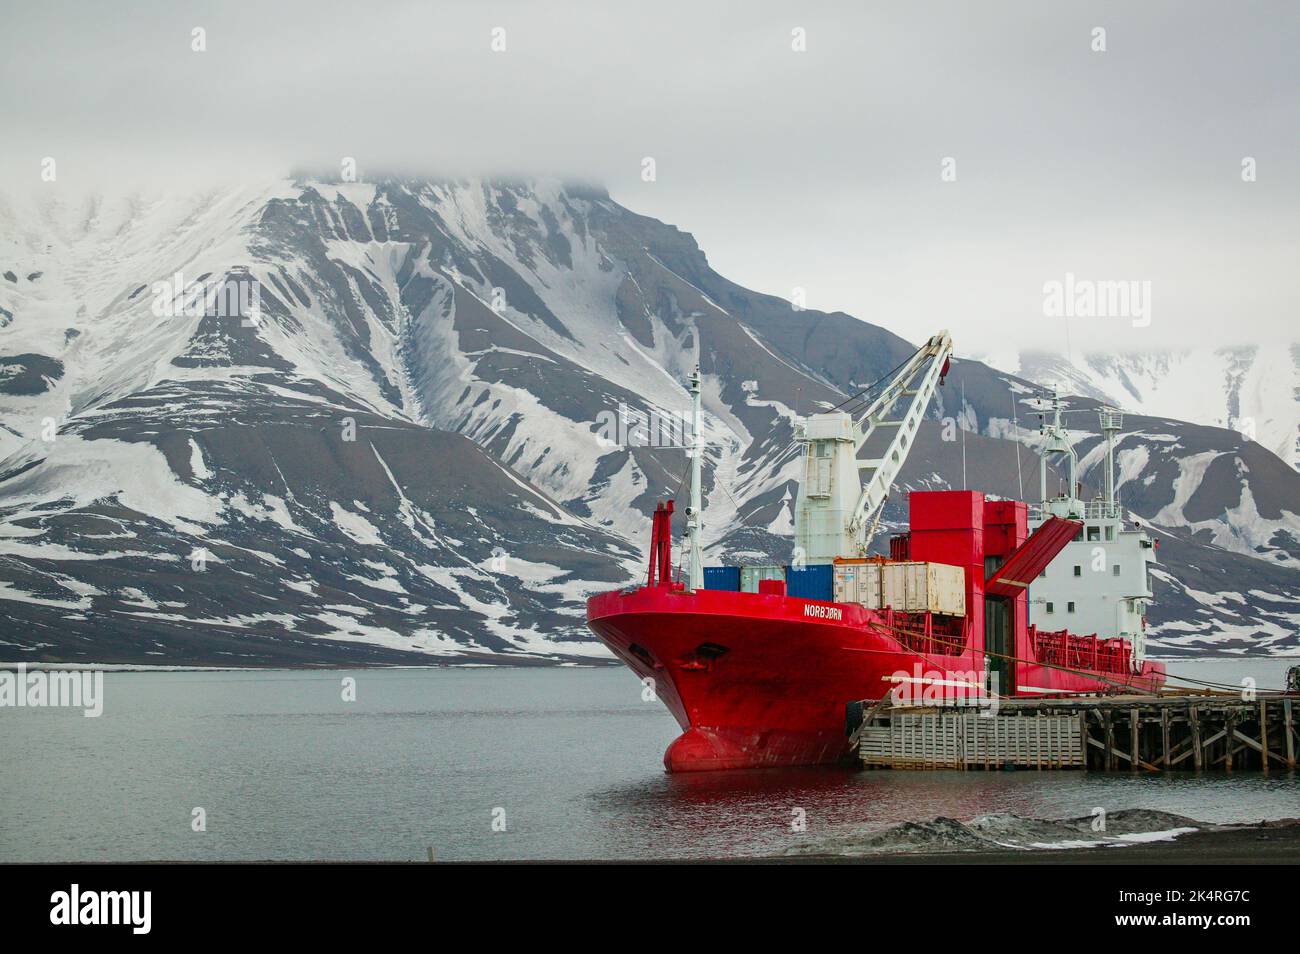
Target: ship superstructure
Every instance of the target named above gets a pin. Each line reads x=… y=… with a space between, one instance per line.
x=1100 y=582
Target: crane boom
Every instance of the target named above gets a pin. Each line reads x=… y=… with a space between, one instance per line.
x=837 y=511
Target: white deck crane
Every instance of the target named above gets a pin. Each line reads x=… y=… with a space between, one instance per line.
x=840 y=497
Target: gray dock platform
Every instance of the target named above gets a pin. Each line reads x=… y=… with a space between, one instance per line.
x=1107 y=733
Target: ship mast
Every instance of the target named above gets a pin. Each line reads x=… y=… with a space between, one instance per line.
x=695 y=579
x=1112 y=421
x=1057 y=444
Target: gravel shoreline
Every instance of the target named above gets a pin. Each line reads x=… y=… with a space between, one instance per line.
x=1267 y=843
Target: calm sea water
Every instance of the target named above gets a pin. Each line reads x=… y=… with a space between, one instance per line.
x=570 y=759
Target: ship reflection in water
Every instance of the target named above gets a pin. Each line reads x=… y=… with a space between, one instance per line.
x=568 y=759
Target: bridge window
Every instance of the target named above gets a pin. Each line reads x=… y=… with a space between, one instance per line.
x=1110 y=532
x=1094 y=534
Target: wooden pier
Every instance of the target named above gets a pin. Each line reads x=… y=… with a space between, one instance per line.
x=1108 y=733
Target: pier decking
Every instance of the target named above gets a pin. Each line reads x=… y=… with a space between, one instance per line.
x=1108 y=733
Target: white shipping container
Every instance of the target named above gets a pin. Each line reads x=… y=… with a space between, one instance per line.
x=947 y=589
x=894 y=589
x=845 y=583
x=915 y=587
x=869 y=590
x=858 y=583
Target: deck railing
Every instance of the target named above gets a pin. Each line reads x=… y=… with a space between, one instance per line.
x=1063 y=648
x=1092 y=510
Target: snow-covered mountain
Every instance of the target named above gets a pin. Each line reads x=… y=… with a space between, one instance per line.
x=421 y=438
x=1252 y=389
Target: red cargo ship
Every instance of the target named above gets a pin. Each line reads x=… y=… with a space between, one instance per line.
x=765 y=678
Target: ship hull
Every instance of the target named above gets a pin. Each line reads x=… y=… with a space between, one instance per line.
x=765 y=680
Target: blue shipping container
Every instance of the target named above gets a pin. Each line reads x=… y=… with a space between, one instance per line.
x=722 y=578
x=813 y=582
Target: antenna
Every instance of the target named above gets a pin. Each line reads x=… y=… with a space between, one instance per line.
x=960 y=411
x=696 y=579
x=1015 y=433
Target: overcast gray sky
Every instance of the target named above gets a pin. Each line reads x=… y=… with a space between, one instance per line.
x=818 y=169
